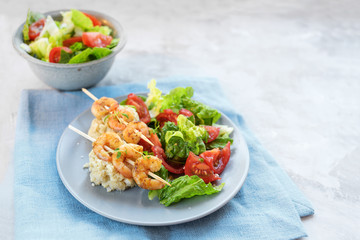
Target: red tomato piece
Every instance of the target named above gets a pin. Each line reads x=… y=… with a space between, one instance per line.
x=71 y=41
x=186 y=112
x=55 y=54
x=217 y=159
x=213 y=132
x=140 y=106
x=94 y=20
x=153 y=138
x=210 y=157
x=36 y=28
x=166 y=116
x=159 y=152
x=197 y=166
x=96 y=39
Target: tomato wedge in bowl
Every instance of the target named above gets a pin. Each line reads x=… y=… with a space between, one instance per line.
x=93 y=19
x=55 y=53
x=71 y=41
x=36 y=28
x=96 y=39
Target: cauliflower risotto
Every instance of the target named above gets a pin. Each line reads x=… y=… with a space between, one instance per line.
x=104 y=173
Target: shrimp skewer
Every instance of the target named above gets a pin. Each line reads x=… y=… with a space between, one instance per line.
x=119 y=119
x=125 y=153
x=111 y=140
x=134 y=130
x=102 y=107
x=112 y=151
x=143 y=166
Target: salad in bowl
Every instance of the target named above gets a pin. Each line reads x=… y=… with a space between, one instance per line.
x=75 y=37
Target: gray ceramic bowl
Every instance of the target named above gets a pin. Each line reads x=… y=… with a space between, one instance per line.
x=73 y=76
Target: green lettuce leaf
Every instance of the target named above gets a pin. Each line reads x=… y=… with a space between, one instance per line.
x=65 y=56
x=154 y=99
x=177 y=99
x=41 y=48
x=198 y=147
x=225 y=130
x=204 y=114
x=176 y=148
x=179 y=140
x=100 y=52
x=80 y=20
x=78 y=46
x=174 y=100
x=56 y=39
x=82 y=57
x=50 y=28
x=90 y=54
x=184 y=187
x=101 y=29
x=219 y=142
x=191 y=132
x=114 y=43
x=67 y=25
x=168 y=126
x=78 y=31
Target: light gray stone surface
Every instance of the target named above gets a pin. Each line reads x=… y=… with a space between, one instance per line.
x=291 y=68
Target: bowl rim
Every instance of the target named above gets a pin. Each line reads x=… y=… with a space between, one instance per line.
x=116 y=26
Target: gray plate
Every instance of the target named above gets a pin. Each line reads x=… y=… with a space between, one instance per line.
x=133 y=206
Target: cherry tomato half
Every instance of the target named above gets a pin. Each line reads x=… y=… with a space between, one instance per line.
x=186 y=112
x=213 y=132
x=140 y=106
x=94 y=20
x=36 y=28
x=55 y=54
x=217 y=159
x=71 y=41
x=96 y=39
x=197 y=166
x=166 y=116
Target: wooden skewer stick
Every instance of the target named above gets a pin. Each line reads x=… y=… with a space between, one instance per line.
x=158 y=178
x=112 y=151
x=122 y=121
x=89 y=94
x=82 y=133
x=88 y=137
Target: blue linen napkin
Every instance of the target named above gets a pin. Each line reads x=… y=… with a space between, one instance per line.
x=268 y=206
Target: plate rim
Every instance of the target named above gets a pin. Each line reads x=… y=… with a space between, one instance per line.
x=155 y=223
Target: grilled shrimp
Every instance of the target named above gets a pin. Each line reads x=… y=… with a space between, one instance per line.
x=101 y=107
x=119 y=118
x=126 y=151
x=132 y=133
x=141 y=169
x=112 y=140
